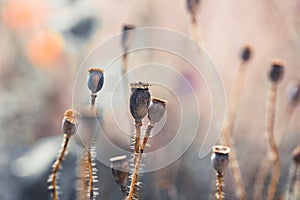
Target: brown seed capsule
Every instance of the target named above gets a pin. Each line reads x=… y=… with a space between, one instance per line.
x=294 y=93
x=220 y=158
x=276 y=71
x=120 y=169
x=296 y=155
x=95 y=79
x=156 y=110
x=69 y=122
x=139 y=100
x=246 y=53
x=127 y=36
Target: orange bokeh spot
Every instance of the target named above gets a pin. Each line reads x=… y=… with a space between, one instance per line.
x=44 y=48
x=22 y=14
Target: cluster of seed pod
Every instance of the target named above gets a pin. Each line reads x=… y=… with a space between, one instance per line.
x=140 y=104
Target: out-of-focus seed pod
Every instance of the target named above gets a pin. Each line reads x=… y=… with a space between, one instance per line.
x=69 y=122
x=120 y=169
x=139 y=100
x=95 y=79
x=220 y=158
x=296 y=155
x=193 y=6
x=294 y=93
x=127 y=36
x=246 y=53
x=156 y=110
x=276 y=71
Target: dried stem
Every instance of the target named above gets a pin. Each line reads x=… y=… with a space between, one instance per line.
x=272 y=142
x=82 y=182
x=138 y=125
x=195 y=31
x=228 y=129
x=90 y=173
x=265 y=166
x=138 y=160
x=220 y=184
x=56 y=166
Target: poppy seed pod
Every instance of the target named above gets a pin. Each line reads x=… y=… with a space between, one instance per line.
x=220 y=158
x=246 y=53
x=276 y=72
x=139 y=100
x=193 y=6
x=127 y=36
x=294 y=93
x=156 y=110
x=296 y=155
x=119 y=169
x=95 y=79
x=69 y=122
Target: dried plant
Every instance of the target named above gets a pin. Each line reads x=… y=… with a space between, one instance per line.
x=293 y=91
x=69 y=128
x=231 y=116
x=220 y=160
x=127 y=38
x=120 y=169
x=275 y=76
x=95 y=82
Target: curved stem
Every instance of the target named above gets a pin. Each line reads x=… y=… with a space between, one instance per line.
x=272 y=143
x=56 y=166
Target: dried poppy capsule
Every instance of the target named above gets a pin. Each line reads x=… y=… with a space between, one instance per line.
x=139 y=100
x=127 y=36
x=120 y=169
x=69 y=122
x=246 y=53
x=220 y=158
x=294 y=93
x=276 y=72
x=296 y=155
x=156 y=110
x=95 y=79
x=193 y=6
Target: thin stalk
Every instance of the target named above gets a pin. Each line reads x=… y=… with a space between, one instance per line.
x=56 y=166
x=272 y=143
x=220 y=184
x=90 y=173
x=138 y=125
x=138 y=160
x=82 y=182
x=229 y=126
x=265 y=166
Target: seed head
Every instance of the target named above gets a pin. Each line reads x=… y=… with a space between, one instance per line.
x=127 y=36
x=294 y=93
x=246 y=53
x=119 y=169
x=139 y=100
x=276 y=71
x=95 y=79
x=220 y=158
x=193 y=6
x=156 y=110
x=69 y=122
x=296 y=155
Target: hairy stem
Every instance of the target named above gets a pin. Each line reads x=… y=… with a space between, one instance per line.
x=220 y=184
x=90 y=172
x=292 y=181
x=56 y=166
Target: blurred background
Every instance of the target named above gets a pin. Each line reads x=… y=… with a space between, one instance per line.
x=43 y=44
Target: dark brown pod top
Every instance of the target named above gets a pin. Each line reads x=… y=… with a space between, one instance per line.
x=276 y=72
